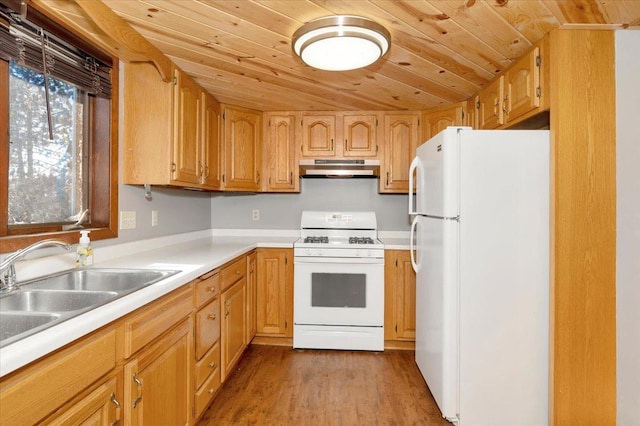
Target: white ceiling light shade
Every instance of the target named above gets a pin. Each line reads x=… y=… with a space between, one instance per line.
x=341 y=42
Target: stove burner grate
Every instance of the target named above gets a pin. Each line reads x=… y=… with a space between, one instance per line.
x=361 y=240
x=316 y=240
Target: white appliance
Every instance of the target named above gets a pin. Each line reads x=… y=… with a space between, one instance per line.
x=480 y=248
x=338 y=295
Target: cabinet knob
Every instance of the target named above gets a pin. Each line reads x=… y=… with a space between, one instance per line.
x=237 y=272
x=211 y=391
x=212 y=364
x=211 y=289
x=211 y=316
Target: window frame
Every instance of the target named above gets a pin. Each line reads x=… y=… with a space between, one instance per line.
x=103 y=169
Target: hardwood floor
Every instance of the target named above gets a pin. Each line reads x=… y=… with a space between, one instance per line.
x=276 y=385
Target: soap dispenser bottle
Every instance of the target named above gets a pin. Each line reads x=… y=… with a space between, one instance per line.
x=84 y=252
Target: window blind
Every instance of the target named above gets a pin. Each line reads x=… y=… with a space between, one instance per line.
x=23 y=42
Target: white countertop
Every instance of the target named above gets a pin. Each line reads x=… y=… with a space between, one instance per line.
x=194 y=254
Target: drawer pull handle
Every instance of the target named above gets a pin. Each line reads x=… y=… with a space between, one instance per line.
x=211 y=289
x=139 y=383
x=211 y=316
x=212 y=364
x=114 y=400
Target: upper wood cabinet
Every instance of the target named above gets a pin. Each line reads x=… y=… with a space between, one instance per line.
x=516 y=95
x=437 y=119
x=340 y=134
x=490 y=112
x=471 y=114
x=401 y=138
x=280 y=152
x=169 y=137
x=187 y=121
x=359 y=133
x=242 y=149
x=211 y=132
x=318 y=135
x=523 y=91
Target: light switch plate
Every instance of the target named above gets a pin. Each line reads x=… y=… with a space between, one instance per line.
x=127 y=220
x=255 y=215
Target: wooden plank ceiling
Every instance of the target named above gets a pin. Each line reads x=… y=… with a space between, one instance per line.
x=442 y=51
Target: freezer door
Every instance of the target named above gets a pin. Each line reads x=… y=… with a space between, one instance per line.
x=437 y=309
x=437 y=188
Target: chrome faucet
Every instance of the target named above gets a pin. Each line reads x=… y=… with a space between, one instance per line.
x=8 y=271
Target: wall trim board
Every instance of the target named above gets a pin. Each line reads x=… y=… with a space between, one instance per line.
x=583 y=229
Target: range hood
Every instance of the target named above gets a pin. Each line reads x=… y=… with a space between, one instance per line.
x=322 y=168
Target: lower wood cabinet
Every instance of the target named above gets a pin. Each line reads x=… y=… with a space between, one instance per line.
x=161 y=364
x=100 y=407
x=252 y=287
x=158 y=380
x=33 y=393
x=274 y=301
x=400 y=297
x=233 y=325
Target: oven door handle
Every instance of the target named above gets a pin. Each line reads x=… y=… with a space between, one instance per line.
x=352 y=260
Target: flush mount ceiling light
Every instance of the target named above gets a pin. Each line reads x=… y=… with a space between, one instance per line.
x=341 y=42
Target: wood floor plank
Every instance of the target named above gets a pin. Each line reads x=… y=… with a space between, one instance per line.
x=282 y=386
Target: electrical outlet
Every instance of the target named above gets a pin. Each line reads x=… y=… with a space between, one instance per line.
x=154 y=217
x=255 y=215
x=127 y=220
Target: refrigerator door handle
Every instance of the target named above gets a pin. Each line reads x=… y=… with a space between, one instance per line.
x=415 y=165
x=412 y=247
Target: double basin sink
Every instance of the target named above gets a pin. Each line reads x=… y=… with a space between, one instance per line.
x=47 y=301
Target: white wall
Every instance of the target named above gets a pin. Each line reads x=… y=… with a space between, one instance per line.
x=282 y=211
x=628 y=226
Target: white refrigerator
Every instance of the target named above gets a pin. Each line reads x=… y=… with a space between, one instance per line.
x=480 y=248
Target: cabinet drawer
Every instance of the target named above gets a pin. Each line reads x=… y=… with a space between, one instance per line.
x=206 y=392
x=142 y=328
x=209 y=364
x=207 y=327
x=233 y=273
x=207 y=289
x=39 y=389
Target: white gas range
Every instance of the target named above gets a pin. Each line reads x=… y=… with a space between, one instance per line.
x=338 y=282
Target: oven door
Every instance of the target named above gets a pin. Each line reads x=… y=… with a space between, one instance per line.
x=339 y=291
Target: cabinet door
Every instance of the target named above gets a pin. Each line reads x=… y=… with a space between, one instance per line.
x=471 y=116
x=435 y=121
x=490 y=114
x=400 y=300
x=522 y=85
x=211 y=142
x=401 y=140
x=275 y=293
x=242 y=149
x=360 y=135
x=186 y=146
x=282 y=167
x=100 y=408
x=405 y=297
x=158 y=388
x=318 y=135
x=233 y=326
x=252 y=287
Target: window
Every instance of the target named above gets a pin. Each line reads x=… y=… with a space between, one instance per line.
x=58 y=134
